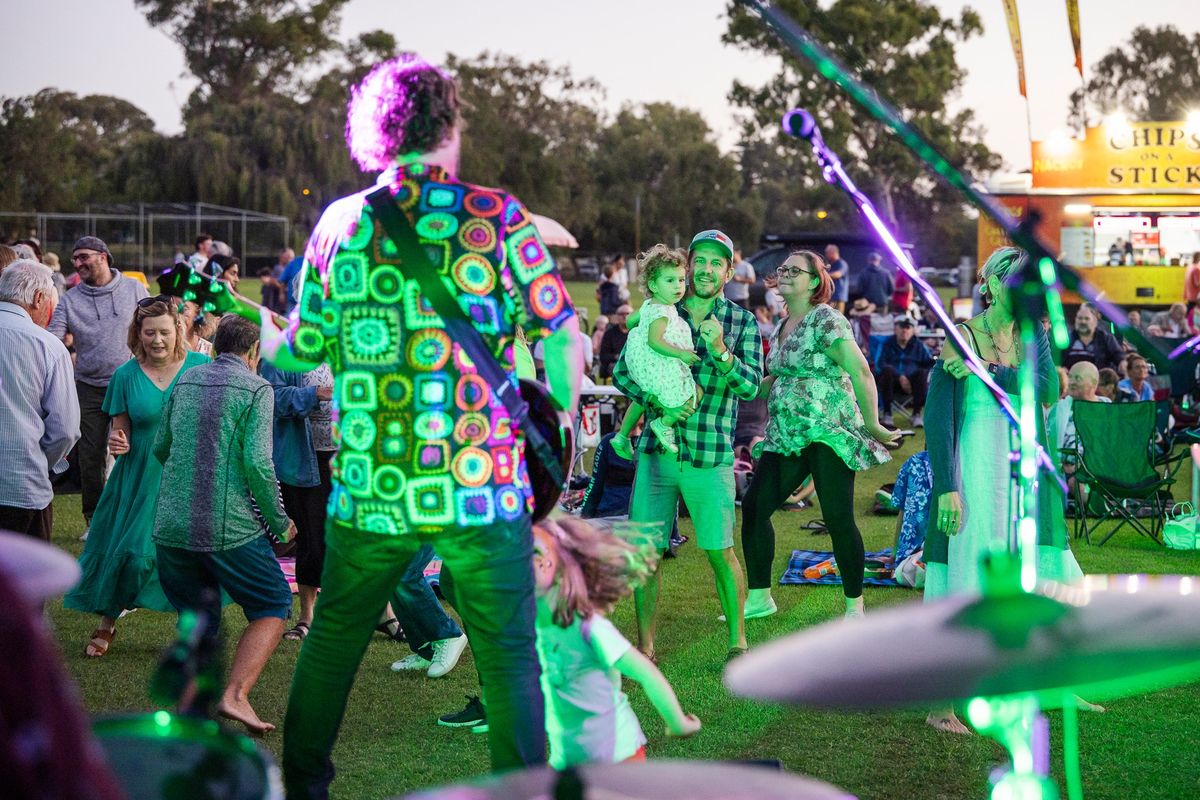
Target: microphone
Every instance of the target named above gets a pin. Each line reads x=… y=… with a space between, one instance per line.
x=801 y=124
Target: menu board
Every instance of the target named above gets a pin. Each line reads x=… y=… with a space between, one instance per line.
x=1077 y=246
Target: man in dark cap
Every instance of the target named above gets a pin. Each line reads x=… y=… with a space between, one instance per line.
x=903 y=366
x=96 y=314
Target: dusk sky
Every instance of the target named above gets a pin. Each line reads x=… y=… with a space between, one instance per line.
x=640 y=50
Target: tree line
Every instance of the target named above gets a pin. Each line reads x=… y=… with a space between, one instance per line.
x=264 y=130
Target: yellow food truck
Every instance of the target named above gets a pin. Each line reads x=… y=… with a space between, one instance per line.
x=1123 y=203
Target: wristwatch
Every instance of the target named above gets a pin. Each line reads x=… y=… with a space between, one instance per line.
x=725 y=356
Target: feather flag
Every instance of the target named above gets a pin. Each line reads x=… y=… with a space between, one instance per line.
x=1014 y=32
x=1076 y=38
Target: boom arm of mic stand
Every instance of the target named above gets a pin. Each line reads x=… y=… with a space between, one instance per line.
x=835 y=174
x=1053 y=274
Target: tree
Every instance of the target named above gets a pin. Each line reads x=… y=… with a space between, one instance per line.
x=667 y=157
x=532 y=130
x=1154 y=77
x=241 y=48
x=60 y=151
x=905 y=50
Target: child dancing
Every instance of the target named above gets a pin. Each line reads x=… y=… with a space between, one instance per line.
x=581 y=572
x=659 y=350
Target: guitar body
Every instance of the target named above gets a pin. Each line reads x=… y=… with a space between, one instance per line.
x=548 y=480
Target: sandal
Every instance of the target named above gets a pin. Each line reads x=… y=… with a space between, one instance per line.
x=101 y=639
x=817 y=526
x=386 y=628
x=297 y=632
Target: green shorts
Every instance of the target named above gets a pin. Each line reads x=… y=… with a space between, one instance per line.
x=708 y=493
x=249 y=574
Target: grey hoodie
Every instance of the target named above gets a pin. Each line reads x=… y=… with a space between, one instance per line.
x=98 y=317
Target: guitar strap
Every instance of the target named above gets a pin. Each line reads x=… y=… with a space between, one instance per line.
x=416 y=264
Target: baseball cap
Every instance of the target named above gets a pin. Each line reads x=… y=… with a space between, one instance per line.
x=904 y=322
x=93 y=243
x=716 y=237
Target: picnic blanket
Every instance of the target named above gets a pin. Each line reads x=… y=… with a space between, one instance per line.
x=804 y=559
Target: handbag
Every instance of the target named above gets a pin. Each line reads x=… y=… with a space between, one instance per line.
x=548 y=433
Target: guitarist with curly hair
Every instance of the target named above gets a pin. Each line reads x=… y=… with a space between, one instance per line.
x=428 y=452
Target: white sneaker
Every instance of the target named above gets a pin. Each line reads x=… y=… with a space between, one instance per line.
x=86 y=531
x=918 y=421
x=665 y=435
x=446 y=653
x=757 y=611
x=886 y=419
x=413 y=662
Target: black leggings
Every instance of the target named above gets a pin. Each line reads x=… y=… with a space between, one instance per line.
x=776 y=477
x=306 y=506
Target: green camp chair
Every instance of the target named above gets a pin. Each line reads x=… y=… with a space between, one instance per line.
x=1115 y=462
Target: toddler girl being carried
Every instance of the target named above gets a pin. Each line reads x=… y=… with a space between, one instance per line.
x=659 y=350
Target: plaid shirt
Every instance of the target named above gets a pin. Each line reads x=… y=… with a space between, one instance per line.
x=706 y=437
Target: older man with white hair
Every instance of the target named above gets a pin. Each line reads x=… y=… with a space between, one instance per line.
x=39 y=411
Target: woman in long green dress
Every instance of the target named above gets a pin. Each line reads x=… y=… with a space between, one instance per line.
x=118 y=562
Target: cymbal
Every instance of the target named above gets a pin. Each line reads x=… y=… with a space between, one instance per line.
x=1109 y=636
x=38 y=570
x=652 y=780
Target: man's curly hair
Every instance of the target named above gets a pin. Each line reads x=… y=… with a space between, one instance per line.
x=403 y=105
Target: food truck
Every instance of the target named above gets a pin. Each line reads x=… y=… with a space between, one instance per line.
x=1123 y=203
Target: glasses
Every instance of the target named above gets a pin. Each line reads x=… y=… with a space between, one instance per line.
x=81 y=257
x=791 y=272
x=146 y=302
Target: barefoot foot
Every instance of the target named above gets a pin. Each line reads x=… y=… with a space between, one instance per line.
x=946 y=722
x=241 y=711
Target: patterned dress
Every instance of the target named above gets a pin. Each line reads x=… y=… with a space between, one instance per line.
x=667 y=378
x=812 y=399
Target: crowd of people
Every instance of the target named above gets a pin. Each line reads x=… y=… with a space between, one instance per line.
x=369 y=432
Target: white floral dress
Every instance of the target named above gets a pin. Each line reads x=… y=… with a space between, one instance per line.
x=668 y=379
x=812 y=399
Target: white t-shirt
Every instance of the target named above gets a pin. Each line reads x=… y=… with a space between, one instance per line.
x=740 y=291
x=588 y=718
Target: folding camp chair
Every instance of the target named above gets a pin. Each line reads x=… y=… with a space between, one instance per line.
x=1115 y=463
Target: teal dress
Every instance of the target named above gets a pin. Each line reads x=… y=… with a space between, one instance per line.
x=118 y=563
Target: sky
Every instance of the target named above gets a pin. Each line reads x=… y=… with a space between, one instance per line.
x=639 y=50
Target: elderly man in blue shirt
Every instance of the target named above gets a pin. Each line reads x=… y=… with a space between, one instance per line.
x=39 y=411
x=903 y=366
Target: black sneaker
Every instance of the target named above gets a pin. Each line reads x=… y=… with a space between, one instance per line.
x=471 y=716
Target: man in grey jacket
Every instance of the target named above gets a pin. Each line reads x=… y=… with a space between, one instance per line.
x=97 y=314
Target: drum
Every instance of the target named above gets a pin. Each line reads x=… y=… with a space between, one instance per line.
x=162 y=755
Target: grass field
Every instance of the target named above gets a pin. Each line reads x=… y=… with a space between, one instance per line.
x=390 y=744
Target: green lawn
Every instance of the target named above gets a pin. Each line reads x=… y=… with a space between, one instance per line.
x=390 y=744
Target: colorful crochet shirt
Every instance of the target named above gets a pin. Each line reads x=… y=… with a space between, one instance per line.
x=423 y=445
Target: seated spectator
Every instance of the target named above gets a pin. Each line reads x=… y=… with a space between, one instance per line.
x=1091 y=343
x=1174 y=324
x=1135 y=387
x=598 y=332
x=903 y=366
x=1107 y=388
x=911 y=493
x=613 y=340
x=876 y=283
x=1082 y=381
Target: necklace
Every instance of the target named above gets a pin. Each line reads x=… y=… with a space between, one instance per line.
x=995 y=343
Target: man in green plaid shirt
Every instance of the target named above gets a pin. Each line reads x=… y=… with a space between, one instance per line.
x=730 y=369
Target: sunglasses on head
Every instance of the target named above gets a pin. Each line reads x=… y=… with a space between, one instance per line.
x=146 y=302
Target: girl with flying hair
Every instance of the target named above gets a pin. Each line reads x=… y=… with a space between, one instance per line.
x=581 y=572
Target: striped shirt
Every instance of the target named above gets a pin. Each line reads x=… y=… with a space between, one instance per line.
x=215 y=445
x=705 y=438
x=39 y=411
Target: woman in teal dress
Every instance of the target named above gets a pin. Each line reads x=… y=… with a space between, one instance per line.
x=118 y=562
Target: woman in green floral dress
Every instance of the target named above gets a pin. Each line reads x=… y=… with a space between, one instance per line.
x=824 y=422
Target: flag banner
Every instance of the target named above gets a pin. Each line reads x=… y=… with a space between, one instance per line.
x=1014 y=32
x=1076 y=39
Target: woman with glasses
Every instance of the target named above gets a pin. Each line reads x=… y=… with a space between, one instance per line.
x=118 y=561
x=824 y=422
x=969 y=440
